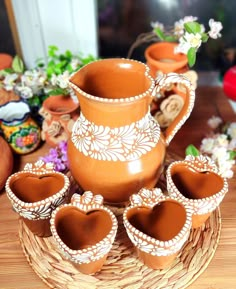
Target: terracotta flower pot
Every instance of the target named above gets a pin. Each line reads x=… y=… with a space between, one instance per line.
x=59 y=113
x=35 y=192
x=5 y=60
x=116 y=146
x=158 y=226
x=84 y=230
x=197 y=182
x=160 y=57
x=6 y=163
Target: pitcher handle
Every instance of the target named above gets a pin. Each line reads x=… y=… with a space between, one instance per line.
x=163 y=81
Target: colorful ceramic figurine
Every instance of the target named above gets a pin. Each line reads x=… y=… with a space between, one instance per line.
x=116 y=146
x=19 y=129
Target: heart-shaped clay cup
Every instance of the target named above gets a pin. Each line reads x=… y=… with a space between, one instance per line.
x=35 y=192
x=196 y=181
x=158 y=226
x=84 y=231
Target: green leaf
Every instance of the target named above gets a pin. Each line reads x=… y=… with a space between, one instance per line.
x=17 y=64
x=49 y=71
x=232 y=155
x=204 y=37
x=58 y=91
x=68 y=54
x=6 y=71
x=170 y=38
x=192 y=27
x=52 y=49
x=159 y=33
x=192 y=150
x=191 y=56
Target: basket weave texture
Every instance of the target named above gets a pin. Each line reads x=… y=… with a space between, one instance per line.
x=122 y=268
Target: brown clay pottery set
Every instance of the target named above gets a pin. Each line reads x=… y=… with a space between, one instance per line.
x=116 y=154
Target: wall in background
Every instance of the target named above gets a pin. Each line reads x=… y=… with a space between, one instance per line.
x=68 y=24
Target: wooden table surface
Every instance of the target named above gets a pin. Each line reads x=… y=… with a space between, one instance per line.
x=221 y=272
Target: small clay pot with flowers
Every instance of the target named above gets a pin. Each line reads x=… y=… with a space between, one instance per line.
x=174 y=49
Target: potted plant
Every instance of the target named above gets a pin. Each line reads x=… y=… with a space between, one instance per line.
x=48 y=77
x=175 y=48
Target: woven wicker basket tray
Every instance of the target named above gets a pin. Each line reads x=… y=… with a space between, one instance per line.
x=122 y=268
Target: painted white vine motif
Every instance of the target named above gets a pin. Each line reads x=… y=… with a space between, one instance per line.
x=123 y=143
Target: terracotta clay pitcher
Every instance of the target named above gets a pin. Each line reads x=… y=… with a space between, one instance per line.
x=116 y=147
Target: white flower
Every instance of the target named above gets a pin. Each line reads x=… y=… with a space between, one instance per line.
x=25 y=91
x=207 y=145
x=214 y=122
x=61 y=80
x=179 y=25
x=35 y=79
x=215 y=28
x=194 y=40
x=232 y=144
x=231 y=131
x=75 y=63
x=225 y=168
x=157 y=24
x=9 y=81
x=53 y=79
x=182 y=47
x=220 y=153
x=190 y=18
x=221 y=140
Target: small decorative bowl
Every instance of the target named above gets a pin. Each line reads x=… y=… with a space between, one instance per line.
x=35 y=192
x=196 y=181
x=84 y=231
x=158 y=226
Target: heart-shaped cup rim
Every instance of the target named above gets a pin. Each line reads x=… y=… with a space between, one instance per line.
x=198 y=164
x=149 y=199
x=86 y=203
x=40 y=209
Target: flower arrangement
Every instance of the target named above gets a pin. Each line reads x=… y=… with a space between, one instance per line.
x=188 y=32
x=49 y=77
x=219 y=145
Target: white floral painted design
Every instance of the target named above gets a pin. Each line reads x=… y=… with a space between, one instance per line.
x=124 y=143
